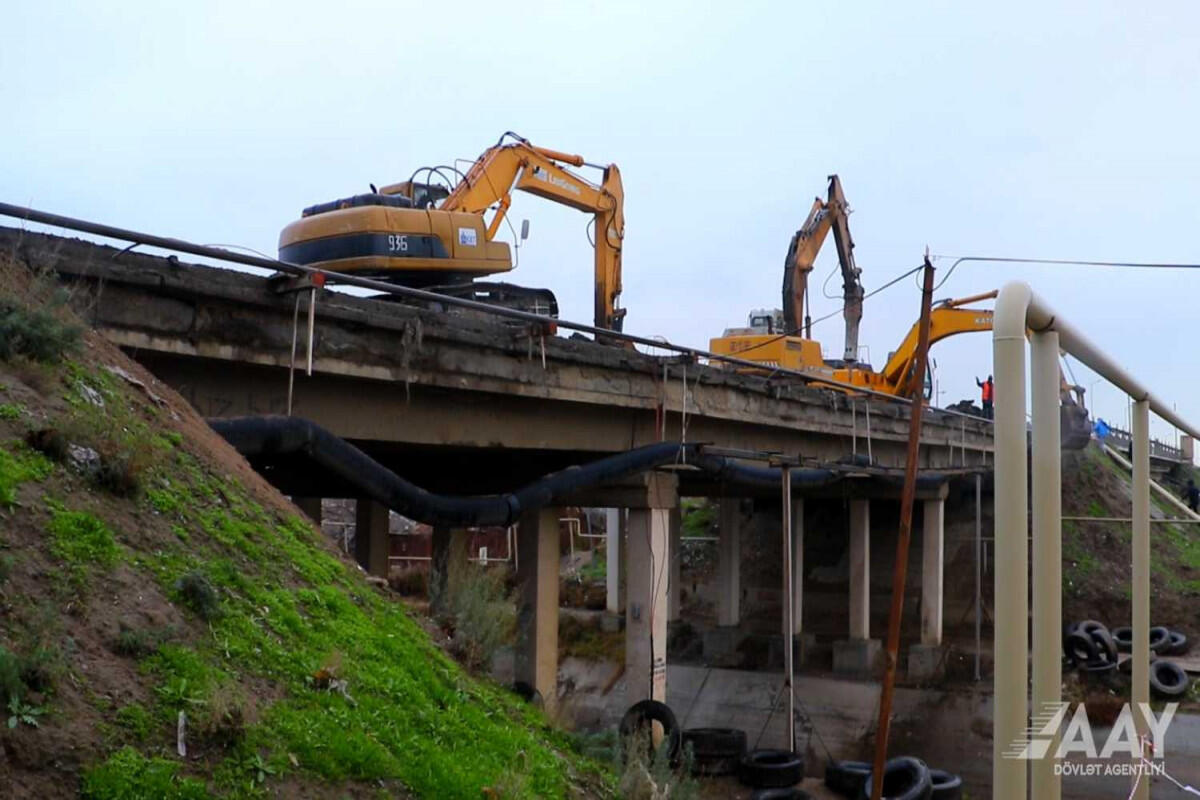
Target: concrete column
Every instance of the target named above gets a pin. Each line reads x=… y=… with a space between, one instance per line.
x=675 y=548
x=859 y=654
x=860 y=569
x=371 y=544
x=614 y=550
x=1188 y=446
x=797 y=565
x=648 y=567
x=932 y=545
x=311 y=506
x=729 y=563
x=536 y=661
x=646 y=605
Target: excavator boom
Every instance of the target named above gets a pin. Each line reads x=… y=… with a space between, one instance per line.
x=536 y=170
x=825 y=215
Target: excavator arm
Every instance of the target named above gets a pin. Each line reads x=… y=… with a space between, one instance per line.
x=825 y=215
x=520 y=165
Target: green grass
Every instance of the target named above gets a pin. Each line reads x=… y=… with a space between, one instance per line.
x=19 y=464
x=11 y=411
x=128 y=775
x=82 y=541
x=135 y=720
x=293 y=614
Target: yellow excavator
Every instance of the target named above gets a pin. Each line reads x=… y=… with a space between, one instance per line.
x=433 y=234
x=898 y=376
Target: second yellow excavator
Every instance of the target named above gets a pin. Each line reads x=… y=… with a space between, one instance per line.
x=434 y=235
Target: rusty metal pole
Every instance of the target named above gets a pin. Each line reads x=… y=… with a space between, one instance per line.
x=905 y=536
x=789 y=625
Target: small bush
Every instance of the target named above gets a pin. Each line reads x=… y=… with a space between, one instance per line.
x=197 y=593
x=129 y=774
x=37 y=334
x=483 y=615
x=225 y=717
x=10 y=411
x=135 y=719
x=11 y=685
x=139 y=642
x=120 y=473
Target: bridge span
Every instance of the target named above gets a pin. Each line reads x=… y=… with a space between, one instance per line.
x=464 y=403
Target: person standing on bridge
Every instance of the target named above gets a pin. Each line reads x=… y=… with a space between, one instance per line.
x=1192 y=495
x=988 y=391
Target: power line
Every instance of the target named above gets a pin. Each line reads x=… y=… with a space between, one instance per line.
x=1062 y=261
x=796 y=331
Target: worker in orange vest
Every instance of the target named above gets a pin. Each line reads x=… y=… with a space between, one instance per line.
x=988 y=390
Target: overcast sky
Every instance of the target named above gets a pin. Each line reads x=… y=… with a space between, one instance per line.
x=1064 y=130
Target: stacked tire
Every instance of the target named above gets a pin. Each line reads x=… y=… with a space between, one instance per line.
x=1089 y=646
x=715 y=751
x=904 y=778
x=771 y=769
x=1163 y=640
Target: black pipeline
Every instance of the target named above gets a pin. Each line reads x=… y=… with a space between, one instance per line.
x=279 y=435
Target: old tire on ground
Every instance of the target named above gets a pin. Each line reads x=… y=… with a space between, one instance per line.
x=1160 y=638
x=771 y=769
x=946 y=785
x=1123 y=636
x=847 y=777
x=1080 y=647
x=715 y=751
x=640 y=716
x=1089 y=625
x=904 y=778
x=1178 y=644
x=1168 y=679
x=781 y=794
x=1105 y=646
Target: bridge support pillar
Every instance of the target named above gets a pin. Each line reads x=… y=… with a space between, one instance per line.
x=371 y=536
x=311 y=506
x=614 y=550
x=729 y=563
x=675 y=548
x=858 y=654
x=646 y=606
x=537 y=603
x=933 y=543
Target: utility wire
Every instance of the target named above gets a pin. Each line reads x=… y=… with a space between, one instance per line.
x=796 y=331
x=1066 y=261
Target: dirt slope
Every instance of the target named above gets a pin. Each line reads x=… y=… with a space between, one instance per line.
x=146 y=571
x=1096 y=555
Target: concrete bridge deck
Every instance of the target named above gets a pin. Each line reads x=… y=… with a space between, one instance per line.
x=463 y=403
x=480 y=402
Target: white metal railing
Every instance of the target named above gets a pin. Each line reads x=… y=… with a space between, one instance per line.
x=1018 y=309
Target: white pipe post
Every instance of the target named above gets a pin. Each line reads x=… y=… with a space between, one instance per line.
x=1140 y=693
x=1047 y=553
x=1011 y=523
